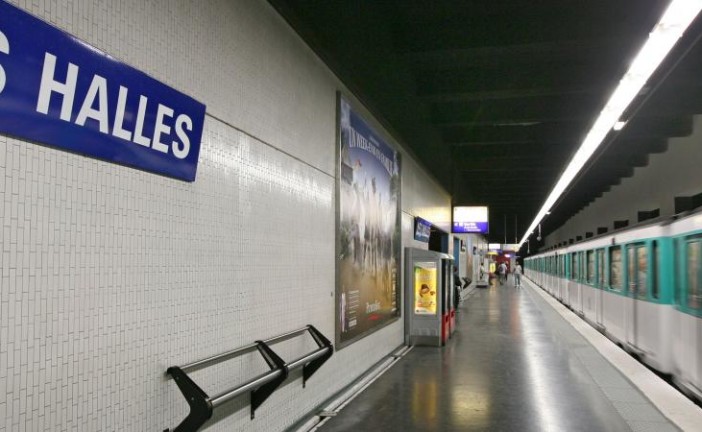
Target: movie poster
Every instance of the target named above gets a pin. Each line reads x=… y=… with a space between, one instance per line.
x=368 y=229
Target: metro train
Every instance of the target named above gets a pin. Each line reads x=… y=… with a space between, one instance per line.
x=641 y=287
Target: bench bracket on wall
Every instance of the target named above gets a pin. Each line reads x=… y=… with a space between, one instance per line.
x=202 y=406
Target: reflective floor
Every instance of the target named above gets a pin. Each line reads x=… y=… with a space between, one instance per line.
x=514 y=364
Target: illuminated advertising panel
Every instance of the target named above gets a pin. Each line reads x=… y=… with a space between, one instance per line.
x=470 y=220
x=425 y=301
x=510 y=247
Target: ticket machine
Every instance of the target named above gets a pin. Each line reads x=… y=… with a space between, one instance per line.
x=429 y=294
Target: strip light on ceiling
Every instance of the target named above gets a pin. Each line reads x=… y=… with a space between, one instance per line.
x=661 y=40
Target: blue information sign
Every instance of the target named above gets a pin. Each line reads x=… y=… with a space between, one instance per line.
x=470 y=227
x=422 y=229
x=62 y=92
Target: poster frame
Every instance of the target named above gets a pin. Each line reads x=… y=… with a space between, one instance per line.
x=339 y=343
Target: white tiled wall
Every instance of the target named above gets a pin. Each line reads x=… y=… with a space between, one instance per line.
x=109 y=275
x=423 y=197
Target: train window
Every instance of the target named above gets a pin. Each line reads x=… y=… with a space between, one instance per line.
x=637 y=269
x=694 y=287
x=590 y=267
x=554 y=260
x=574 y=266
x=642 y=270
x=615 y=268
x=654 y=269
x=600 y=268
x=554 y=265
x=561 y=270
x=579 y=264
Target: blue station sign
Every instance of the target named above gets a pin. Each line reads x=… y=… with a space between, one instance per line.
x=62 y=92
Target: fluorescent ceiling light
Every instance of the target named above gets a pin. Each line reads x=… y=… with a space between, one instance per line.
x=661 y=40
x=619 y=125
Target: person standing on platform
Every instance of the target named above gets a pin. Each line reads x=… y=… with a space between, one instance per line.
x=456 y=286
x=502 y=272
x=517 y=275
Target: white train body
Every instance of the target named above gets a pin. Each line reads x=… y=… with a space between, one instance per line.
x=642 y=287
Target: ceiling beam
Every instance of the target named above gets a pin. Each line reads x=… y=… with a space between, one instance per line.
x=562 y=76
x=570 y=132
x=527 y=163
x=651 y=127
x=513 y=93
x=571 y=51
x=485 y=24
x=524 y=111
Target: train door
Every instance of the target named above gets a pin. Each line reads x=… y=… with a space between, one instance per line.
x=559 y=272
x=636 y=276
x=587 y=290
x=570 y=298
x=565 y=271
x=562 y=275
x=600 y=274
x=583 y=278
x=566 y=278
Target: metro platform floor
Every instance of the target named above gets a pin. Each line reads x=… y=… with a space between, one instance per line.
x=514 y=364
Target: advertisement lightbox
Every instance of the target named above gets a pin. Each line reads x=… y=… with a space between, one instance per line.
x=425 y=288
x=470 y=219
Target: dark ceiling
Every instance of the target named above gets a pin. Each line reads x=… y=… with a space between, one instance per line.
x=494 y=97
